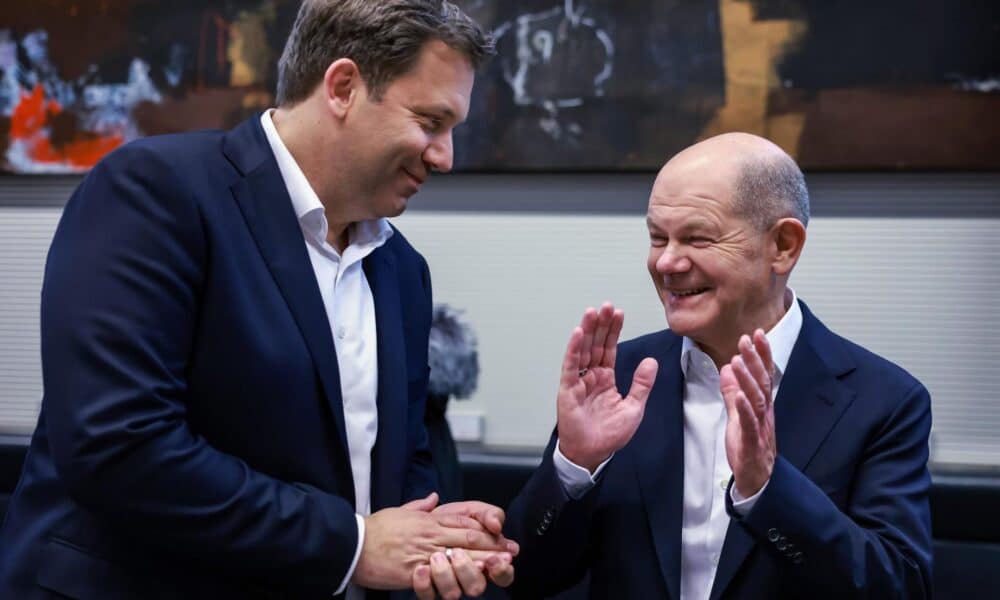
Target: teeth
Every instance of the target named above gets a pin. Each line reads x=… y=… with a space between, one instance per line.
x=690 y=292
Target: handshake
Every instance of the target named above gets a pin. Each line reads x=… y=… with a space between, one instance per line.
x=446 y=550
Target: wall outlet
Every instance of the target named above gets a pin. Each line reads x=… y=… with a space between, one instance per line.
x=466 y=426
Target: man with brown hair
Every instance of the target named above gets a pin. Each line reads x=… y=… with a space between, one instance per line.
x=234 y=343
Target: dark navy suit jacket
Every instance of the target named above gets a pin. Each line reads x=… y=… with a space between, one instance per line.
x=191 y=441
x=844 y=515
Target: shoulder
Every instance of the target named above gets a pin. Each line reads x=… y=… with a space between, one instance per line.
x=876 y=370
x=176 y=150
x=168 y=162
x=868 y=373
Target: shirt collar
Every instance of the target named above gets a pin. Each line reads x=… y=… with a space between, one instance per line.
x=367 y=235
x=781 y=337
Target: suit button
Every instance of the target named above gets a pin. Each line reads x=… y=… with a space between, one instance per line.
x=773 y=535
x=797 y=558
x=539 y=532
x=782 y=544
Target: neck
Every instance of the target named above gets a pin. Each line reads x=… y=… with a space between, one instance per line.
x=723 y=351
x=299 y=128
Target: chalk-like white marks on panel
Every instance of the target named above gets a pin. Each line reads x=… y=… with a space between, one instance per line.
x=555 y=59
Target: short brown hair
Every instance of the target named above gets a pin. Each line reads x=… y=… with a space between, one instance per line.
x=384 y=38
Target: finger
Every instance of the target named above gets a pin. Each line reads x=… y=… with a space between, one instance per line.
x=642 y=380
x=571 y=360
x=754 y=362
x=728 y=384
x=748 y=421
x=422 y=584
x=749 y=386
x=604 y=317
x=470 y=578
x=588 y=324
x=500 y=570
x=423 y=504
x=444 y=577
x=471 y=539
x=730 y=388
x=489 y=516
x=764 y=349
x=483 y=555
x=611 y=344
x=455 y=521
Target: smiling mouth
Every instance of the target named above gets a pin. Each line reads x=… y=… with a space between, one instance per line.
x=416 y=180
x=688 y=292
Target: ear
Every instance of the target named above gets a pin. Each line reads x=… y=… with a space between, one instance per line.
x=789 y=237
x=342 y=86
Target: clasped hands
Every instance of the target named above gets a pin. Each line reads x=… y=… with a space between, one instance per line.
x=405 y=547
x=595 y=421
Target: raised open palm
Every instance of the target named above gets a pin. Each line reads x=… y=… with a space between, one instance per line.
x=594 y=419
x=745 y=383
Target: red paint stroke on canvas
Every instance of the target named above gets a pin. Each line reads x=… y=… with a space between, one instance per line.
x=30 y=124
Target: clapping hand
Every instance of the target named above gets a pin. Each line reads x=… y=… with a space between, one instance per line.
x=594 y=420
x=746 y=385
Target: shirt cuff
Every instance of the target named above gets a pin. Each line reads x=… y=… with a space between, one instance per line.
x=576 y=480
x=357 y=555
x=742 y=505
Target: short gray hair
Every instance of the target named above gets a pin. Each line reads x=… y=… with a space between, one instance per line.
x=771 y=188
x=384 y=38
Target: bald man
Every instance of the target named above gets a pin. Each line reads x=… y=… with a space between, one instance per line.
x=775 y=458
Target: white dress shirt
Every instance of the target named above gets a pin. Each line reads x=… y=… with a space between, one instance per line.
x=706 y=467
x=350 y=310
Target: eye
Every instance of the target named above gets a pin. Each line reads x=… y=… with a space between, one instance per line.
x=656 y=240
x=431 y=123
x=698 y=241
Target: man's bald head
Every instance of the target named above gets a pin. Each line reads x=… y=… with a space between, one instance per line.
x=767 y=185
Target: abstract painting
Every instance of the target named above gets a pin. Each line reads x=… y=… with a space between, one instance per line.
x=577 y=85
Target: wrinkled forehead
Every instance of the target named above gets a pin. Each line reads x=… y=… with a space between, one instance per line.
x=692 y=187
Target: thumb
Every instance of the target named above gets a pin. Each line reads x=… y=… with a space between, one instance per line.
x=423 y=504
x=642 y=380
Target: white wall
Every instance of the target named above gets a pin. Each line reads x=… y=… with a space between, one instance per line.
x=901 y=264
x=920 y=291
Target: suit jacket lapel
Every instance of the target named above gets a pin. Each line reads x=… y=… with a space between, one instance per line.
x=387 y=472
x=263 y=199
x=658 y=450
x=810 y=401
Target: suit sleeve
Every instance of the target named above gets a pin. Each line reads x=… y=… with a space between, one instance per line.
x=118 y=323
x=881 y=546
x=421 y=478
x=553 y=531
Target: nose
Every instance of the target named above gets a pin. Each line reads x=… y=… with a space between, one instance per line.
x=672 y=260
x=439 y=154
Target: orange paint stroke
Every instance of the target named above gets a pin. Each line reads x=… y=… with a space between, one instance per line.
x=30 y=123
